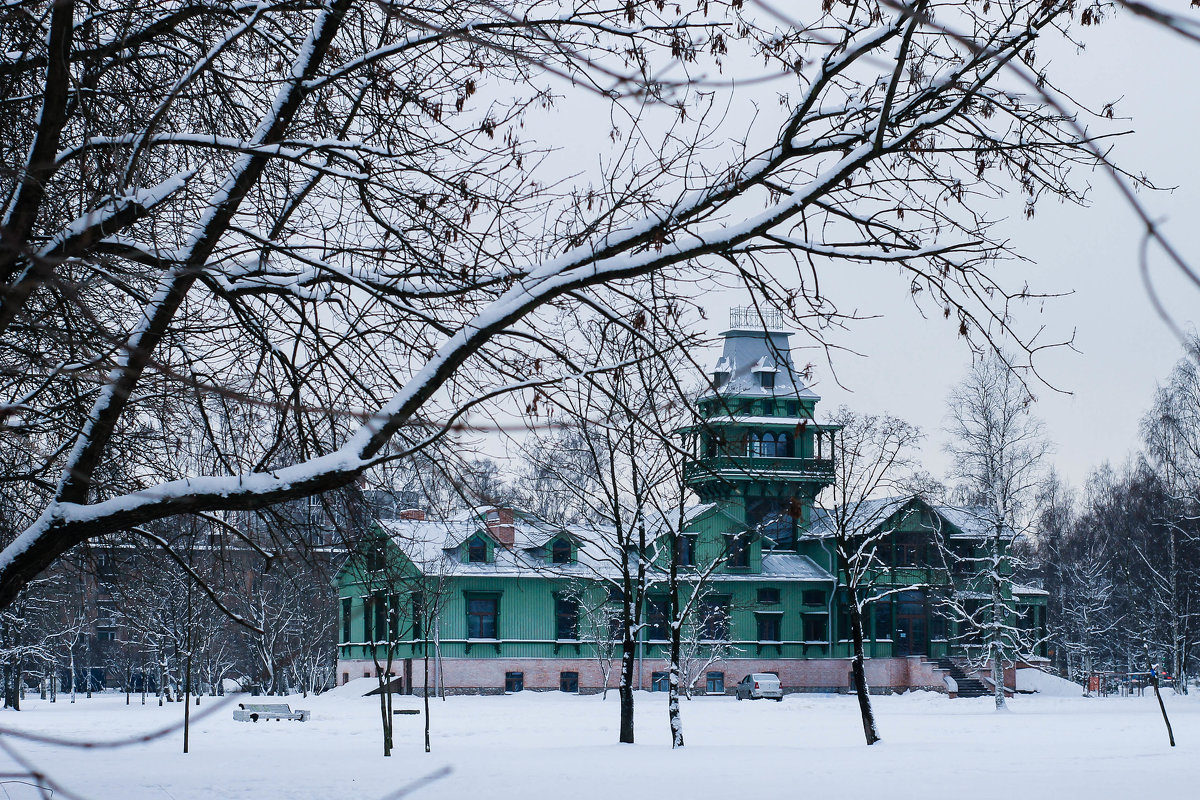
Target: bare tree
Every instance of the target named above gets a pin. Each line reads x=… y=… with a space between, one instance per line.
x=998 y=448
x=1171 y=431
x=873 y=456
x=616 y=458
x=362 y=236
x=601 y=631
x=704 y=637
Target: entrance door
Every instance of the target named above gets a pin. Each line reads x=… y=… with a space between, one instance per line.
x=912 y=629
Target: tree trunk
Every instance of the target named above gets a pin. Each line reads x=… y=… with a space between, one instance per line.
x=858 y=667
x=996 y=644
x=385 y=711
x=673 y=715
x=425 y=659
x=187 y=696
x=625 y=690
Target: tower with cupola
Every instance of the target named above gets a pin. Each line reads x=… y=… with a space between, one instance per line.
x=757 y=451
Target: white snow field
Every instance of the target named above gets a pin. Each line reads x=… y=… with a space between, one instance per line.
x=552 y=745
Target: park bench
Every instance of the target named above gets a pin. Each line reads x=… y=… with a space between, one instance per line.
x=253 y=712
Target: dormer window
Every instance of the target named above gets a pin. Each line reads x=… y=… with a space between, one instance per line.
x=737 y=550
x=560 y=551
x=721 y=373
x=477 y=550
x=765 y=370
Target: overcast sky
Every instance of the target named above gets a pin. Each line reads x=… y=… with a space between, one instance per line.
x=908 y=364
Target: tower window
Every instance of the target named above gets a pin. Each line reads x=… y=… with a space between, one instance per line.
x=775 y=518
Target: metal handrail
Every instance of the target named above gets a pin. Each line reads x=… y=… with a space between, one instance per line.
x=770 y=319
x=752 y=465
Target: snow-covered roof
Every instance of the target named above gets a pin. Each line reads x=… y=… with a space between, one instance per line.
x=1029 y=591
x=792 y=566
x=973 y=521
x=865 y=516
x=433 y=543
x=432 y=546
x=965 y=522
x=765 y=364
x=747 y=353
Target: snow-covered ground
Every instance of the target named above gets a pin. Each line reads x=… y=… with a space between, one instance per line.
x=554 y=745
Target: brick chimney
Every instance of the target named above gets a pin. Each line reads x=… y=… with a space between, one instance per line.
x=411 y=513
x=500 y=525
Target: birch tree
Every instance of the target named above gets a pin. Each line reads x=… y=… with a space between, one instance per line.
x=1171 y=431
x=998 y=449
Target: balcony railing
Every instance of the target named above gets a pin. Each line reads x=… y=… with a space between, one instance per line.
x=760 y=467
x=756 y=319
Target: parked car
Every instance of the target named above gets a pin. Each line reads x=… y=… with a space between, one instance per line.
x=760 y=684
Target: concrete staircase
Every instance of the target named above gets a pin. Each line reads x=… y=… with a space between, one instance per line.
x=967 y=686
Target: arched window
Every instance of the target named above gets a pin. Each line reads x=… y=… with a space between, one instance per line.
x=770 y=445
x=560 y=551
x=753 y=445
x=783 y=445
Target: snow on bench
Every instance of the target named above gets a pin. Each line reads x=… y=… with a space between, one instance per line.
x=253 y=712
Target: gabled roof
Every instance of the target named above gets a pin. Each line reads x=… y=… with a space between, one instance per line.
x=972 y=522
x=433 y=545
x=961 y=522
x=865 y=516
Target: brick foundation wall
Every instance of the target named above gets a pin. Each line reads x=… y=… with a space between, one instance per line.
x=486 y=675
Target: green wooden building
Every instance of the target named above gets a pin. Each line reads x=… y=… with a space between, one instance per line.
x=496 y=601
